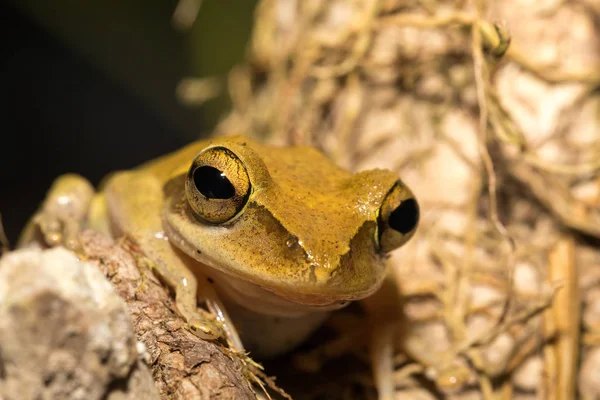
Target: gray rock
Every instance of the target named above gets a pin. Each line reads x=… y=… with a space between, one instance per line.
x=64 y=332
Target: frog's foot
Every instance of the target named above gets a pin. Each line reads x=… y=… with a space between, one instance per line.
x=56 y=230
x=217 y=308
x=62 y=215
x=385 y=320
x=381 y=349
x=205 y=326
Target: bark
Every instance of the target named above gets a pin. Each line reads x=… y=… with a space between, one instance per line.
x=66 y=332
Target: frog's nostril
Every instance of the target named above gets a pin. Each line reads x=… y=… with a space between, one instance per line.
x=405 y=217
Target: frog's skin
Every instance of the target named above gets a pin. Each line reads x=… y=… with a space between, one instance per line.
x=285 y=235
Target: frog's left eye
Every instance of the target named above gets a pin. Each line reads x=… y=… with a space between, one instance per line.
x=217 y=185
x=398 y=218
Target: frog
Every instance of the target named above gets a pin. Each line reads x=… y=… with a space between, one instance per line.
x=273 y=238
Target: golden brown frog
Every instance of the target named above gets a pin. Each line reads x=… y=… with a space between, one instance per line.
x=285 y=235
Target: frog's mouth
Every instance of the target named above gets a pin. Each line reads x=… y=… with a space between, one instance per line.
x=249 y=293
x=273 y=297
x=258 y=298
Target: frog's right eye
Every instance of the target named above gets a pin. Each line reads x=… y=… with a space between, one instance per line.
x=217 y=185
x=398 y=217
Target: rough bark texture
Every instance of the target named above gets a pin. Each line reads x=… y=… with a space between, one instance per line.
x=65 y=331
x=183 y=366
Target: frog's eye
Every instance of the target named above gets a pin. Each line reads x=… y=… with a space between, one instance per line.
x=398 y=218
x=217 y=185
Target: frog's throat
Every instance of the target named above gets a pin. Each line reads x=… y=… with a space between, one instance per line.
x=261 y=300
x=256 y=297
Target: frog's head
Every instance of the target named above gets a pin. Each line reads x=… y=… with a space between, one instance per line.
x=289 y=220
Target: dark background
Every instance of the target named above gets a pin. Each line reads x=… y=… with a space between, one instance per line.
x=61 y=114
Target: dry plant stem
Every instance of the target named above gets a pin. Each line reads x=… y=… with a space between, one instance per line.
x=359 y=49
x=426 y=21
x=517 y=318
x=506 y=392
x=513 y=53
x=401 y=374
x=485 y=382
x=509 y=133
x=562 y=169
x=557 y=198
x=239 y=80
x=288 y=85
x=481 y=79
x=185 y=14
x=466 y=270
x=561 y=357
x=348 y=121
x=591 y=339
x=553 y=76
x=524 y=349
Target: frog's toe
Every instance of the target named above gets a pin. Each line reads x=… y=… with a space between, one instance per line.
x=62 y=214
x=59 y=231
x=53 y=238
x=47 y=230
x=205 y=329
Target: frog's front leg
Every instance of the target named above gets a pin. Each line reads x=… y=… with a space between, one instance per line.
x=134 y=201
x=185 y=285
x=62 y=215
x=384 y=312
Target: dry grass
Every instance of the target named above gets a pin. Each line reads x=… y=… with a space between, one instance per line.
x=495 y=127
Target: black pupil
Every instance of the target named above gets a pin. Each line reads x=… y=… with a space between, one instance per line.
x=213 y=183
x=405 y=217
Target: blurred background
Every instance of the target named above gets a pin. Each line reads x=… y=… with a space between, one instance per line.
x=89 y=87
